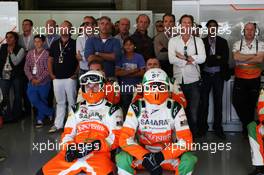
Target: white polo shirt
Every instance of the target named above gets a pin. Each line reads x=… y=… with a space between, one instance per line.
x=183 y=72
x=80 y=45
x=247 y=49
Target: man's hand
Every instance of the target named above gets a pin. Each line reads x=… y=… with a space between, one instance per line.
x=74 y=76
x=94 y=57
x=52 y=77
x=71 y=153
x=179 y=55
x=87 y=148
x=190 y=59
x=152 y=163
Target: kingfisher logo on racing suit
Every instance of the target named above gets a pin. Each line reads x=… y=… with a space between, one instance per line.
x=87 y=126
x=153 y=138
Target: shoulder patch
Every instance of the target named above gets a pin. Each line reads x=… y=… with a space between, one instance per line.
x=175 y=109
x=76 y=107
x=108 y=104
x=113 y=109
x=83 y=102
x=172 y=80
x=136 y=106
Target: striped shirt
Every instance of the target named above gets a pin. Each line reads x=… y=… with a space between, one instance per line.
x=41 y=61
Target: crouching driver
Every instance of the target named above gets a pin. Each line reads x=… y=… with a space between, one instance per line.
x=155 y=134
x=91 y=132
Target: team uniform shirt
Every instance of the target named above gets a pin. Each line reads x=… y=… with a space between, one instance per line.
x=256 y=134
x=94 y=122
x=244 y=69
x=85 y=124
x=186 y=73
x=153 y=128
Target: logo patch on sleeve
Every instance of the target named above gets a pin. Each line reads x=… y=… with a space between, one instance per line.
x=184 y=123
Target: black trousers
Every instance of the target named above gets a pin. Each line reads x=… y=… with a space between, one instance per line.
x=245 y=96
x=214 y=82
x=26 y=102
x=192 y=95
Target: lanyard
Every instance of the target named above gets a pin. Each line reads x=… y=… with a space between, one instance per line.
x=62 y=50
x=36 y=60
x=28 y=41
x=49 y=42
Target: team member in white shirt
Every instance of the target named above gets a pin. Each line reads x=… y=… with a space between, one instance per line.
x=88 y=30
x=248 y=54
x=185 y=53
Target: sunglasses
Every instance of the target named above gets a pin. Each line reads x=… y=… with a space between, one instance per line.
x=185 y=51
x=86 y=79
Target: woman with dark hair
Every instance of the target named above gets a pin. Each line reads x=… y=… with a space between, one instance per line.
x=36 y=70
x=130 y=70
x=11 y=70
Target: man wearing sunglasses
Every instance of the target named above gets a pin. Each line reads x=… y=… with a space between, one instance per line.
x=185 y=53
x=90 y=134
x=147 y=137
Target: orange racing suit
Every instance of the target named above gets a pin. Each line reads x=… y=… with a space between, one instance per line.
x=85 y=124
x=154 y=128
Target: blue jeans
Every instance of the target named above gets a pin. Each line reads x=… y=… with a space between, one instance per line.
x=38 y=96
x=192 y=95
x=15 y=112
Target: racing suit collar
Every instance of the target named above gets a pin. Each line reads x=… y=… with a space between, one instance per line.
x=96 y=105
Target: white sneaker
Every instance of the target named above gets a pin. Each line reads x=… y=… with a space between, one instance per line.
x=39 y=124
x=53 y=129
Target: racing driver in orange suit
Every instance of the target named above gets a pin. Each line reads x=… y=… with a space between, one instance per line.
x=155 y=134
x=91 y=132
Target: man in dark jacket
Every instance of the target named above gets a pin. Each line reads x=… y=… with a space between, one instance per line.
x=214 y=71
x=144 y=44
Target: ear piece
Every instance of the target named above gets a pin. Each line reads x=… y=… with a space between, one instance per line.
x=257 y=29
